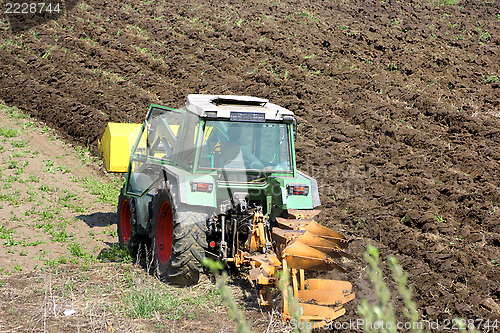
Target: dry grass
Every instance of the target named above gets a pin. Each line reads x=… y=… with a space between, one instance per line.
x=102 y=298
x=109 y=298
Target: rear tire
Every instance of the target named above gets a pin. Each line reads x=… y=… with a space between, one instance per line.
x=126 y=223
x=178 y=236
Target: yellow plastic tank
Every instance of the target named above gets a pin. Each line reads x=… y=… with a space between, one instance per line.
x=116 y=144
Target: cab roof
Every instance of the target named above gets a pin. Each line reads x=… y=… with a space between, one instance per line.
x=242 y=108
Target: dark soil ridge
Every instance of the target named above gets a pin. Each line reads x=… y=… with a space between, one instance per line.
x=399 y=105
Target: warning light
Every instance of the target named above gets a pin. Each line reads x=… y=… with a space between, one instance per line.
x=201 y=187
x=212 y=244
x=297 y=189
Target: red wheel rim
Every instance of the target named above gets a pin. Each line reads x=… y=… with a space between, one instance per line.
x=125 y=221
x=164 y=233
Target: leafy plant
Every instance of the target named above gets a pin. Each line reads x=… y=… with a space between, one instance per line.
x=448 y=2
x=491 y=79
x=107 y=192
x=392 y=67
x=19 y=144
x=116 y=254
x=9 y=132
x=440 y=218
x=78 y=251
x=234 y=311
x=84 y=155
x=382 y=311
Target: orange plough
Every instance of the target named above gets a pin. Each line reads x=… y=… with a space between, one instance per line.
x=301 y=244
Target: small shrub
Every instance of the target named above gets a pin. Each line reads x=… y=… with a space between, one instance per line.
x=116 y=254
x=491 y=79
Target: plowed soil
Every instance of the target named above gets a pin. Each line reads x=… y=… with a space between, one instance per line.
x=398 y=105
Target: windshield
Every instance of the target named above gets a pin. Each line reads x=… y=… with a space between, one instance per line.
x=245 y=145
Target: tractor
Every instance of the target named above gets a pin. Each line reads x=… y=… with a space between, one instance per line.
x=218 y=179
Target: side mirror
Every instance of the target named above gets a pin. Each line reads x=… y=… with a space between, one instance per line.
x=294 y=128
x=290 y=119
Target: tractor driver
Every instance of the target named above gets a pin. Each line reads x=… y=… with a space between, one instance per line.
x=236 y=154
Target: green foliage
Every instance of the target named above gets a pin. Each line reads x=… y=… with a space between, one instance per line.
x=392 y=67
x=116 y=254
x=60 y=236
x=401 y=278
x=107 y=192
x=237 y=315
x=13 y=198
x=8 y=132
x=152 y=299
x=380 y=315
x=14 y=113
x=293 y=305
x=45 y=188
x=146 y=303
x=19 y=144
x=483 y=35
x=84 y=155
x=440 y=218
x=491 y=79
x=448 y=2
x=77 y=250
x=234 y=311
x=383 y=308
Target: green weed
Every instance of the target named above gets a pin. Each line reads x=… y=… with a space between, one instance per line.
x=19 y=144
x=61 y=236
x=106 y=192
x=483 y=35
x=395 y=23
x=45 y=188
x=9 y=132
x=78 y=251
x=46 y=226
x=12 y=198
x=33 y=178
x=9 y=241
x=38 y=242
x=383 y=309
x=116 y=254
x=45 y=129
x=84 y=155
x=440 y=219
x=392 y=67
x=15 y=113
x=234 y=312
x=448 y=2
x=491 y=79
x=111 y=232
x=4 y=233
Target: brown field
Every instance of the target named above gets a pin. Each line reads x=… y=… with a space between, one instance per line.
x=398 y=105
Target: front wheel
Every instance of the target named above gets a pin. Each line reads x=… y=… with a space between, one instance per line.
x=178 y=238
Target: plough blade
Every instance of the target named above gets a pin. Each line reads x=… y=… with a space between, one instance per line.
x=326 y=292
x=320 y=315
x=333 y=236
x=327 y=246
x=302 y=256
x=286 y=237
